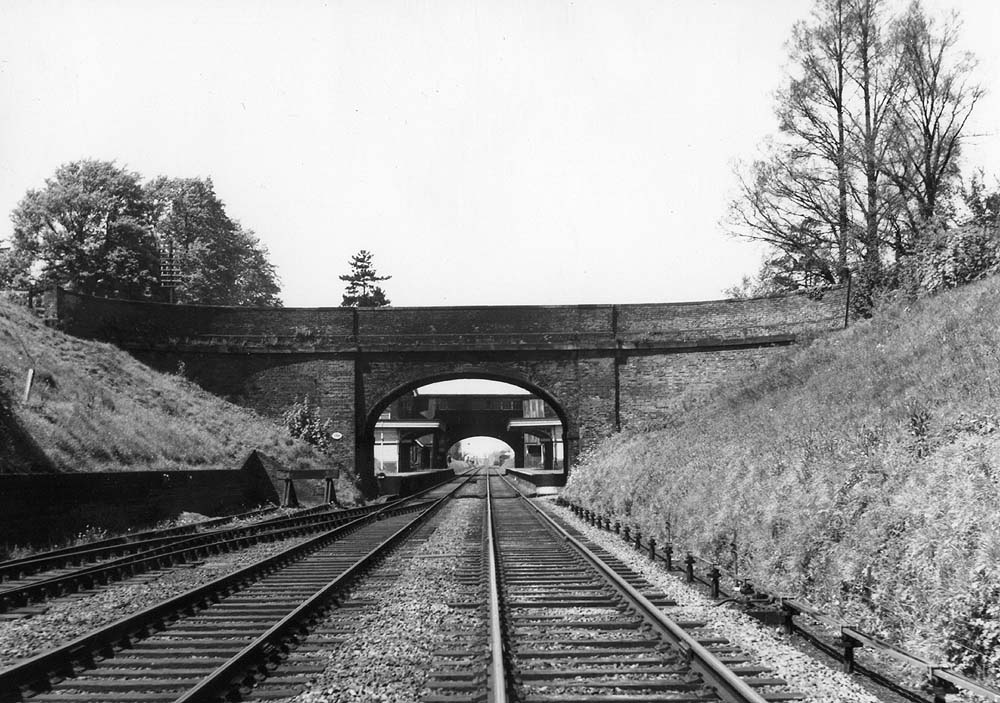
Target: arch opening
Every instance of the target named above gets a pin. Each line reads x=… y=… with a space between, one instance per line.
x=481 y=451
x=419 y=425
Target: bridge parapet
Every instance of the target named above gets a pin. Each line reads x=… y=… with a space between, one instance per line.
x=159 y=326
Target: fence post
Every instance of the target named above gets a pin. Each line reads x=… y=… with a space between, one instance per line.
x=668 y=556
x=652 y=549
x=638 y=538
x=849 y=646
x=689 y=564
x=941 y=688
x=618 y=527
x=714 y=575
x=788 y=620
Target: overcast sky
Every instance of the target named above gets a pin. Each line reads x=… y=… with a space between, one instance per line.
x=487 y=152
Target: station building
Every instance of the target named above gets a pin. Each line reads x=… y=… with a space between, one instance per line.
x=417 y=430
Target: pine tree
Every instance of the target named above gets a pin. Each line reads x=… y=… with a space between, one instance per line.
x=362 y=284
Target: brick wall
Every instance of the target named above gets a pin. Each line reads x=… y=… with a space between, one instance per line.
x=734 y=319
x=651 y=385
x=154 y=325
x=148 y=326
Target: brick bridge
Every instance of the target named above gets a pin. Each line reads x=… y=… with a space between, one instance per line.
x=601 y=367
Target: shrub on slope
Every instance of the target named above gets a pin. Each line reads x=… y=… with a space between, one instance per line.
x=861 y=472
x=95 y=408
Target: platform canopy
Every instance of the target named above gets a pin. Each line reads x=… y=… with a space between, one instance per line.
x=527 y=424
x=410 y=425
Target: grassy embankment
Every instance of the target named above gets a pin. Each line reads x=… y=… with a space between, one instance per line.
x=861 y=472
x=95 y=408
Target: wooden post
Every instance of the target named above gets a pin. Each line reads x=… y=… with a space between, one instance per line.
x=849 y=646
x=28 y=384
x=288 y=498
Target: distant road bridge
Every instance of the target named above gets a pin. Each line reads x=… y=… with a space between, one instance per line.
x=601 y=367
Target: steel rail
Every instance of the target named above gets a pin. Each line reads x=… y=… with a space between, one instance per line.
x=61 y=662
x=240 y=669
x=133 y=549
x=497 y=675
x=728 y=685
x=25 y=566
x=173 y=553
x=940 y=676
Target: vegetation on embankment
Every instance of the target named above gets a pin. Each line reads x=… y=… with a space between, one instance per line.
x=861 y=472
x=95 y=408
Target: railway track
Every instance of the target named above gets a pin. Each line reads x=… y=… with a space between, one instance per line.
x=581 y=626
x=39 y=578
x=536 y=616
x=223 y=636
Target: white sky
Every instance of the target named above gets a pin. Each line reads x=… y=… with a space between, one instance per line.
x=477 y=386
x=487 y=151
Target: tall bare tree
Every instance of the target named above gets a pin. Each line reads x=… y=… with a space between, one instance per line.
x=870 y=128
x=930 y=122
x=796 y=198
x=878 y=77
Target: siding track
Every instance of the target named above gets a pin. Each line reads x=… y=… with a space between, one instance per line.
x=51 y=575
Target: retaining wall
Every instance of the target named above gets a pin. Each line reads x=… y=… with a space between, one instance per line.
x=41 y=509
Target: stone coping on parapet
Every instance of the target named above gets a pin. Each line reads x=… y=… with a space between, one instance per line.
x=252 y=345
x=811 y=294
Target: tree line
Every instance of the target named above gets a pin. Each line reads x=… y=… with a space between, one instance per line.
x=863 y=178
x=98 y=229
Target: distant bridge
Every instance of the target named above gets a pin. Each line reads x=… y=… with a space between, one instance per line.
x=601 y=367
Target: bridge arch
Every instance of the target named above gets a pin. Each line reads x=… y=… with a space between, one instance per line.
x=385 y=398
x=498 y=444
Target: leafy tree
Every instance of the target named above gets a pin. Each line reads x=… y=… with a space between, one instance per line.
x=86 y=230
x=767 y=281
x=362 y=284
x=217 y=262
x=982 y=202
x=96 y=229
x=943 y=256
